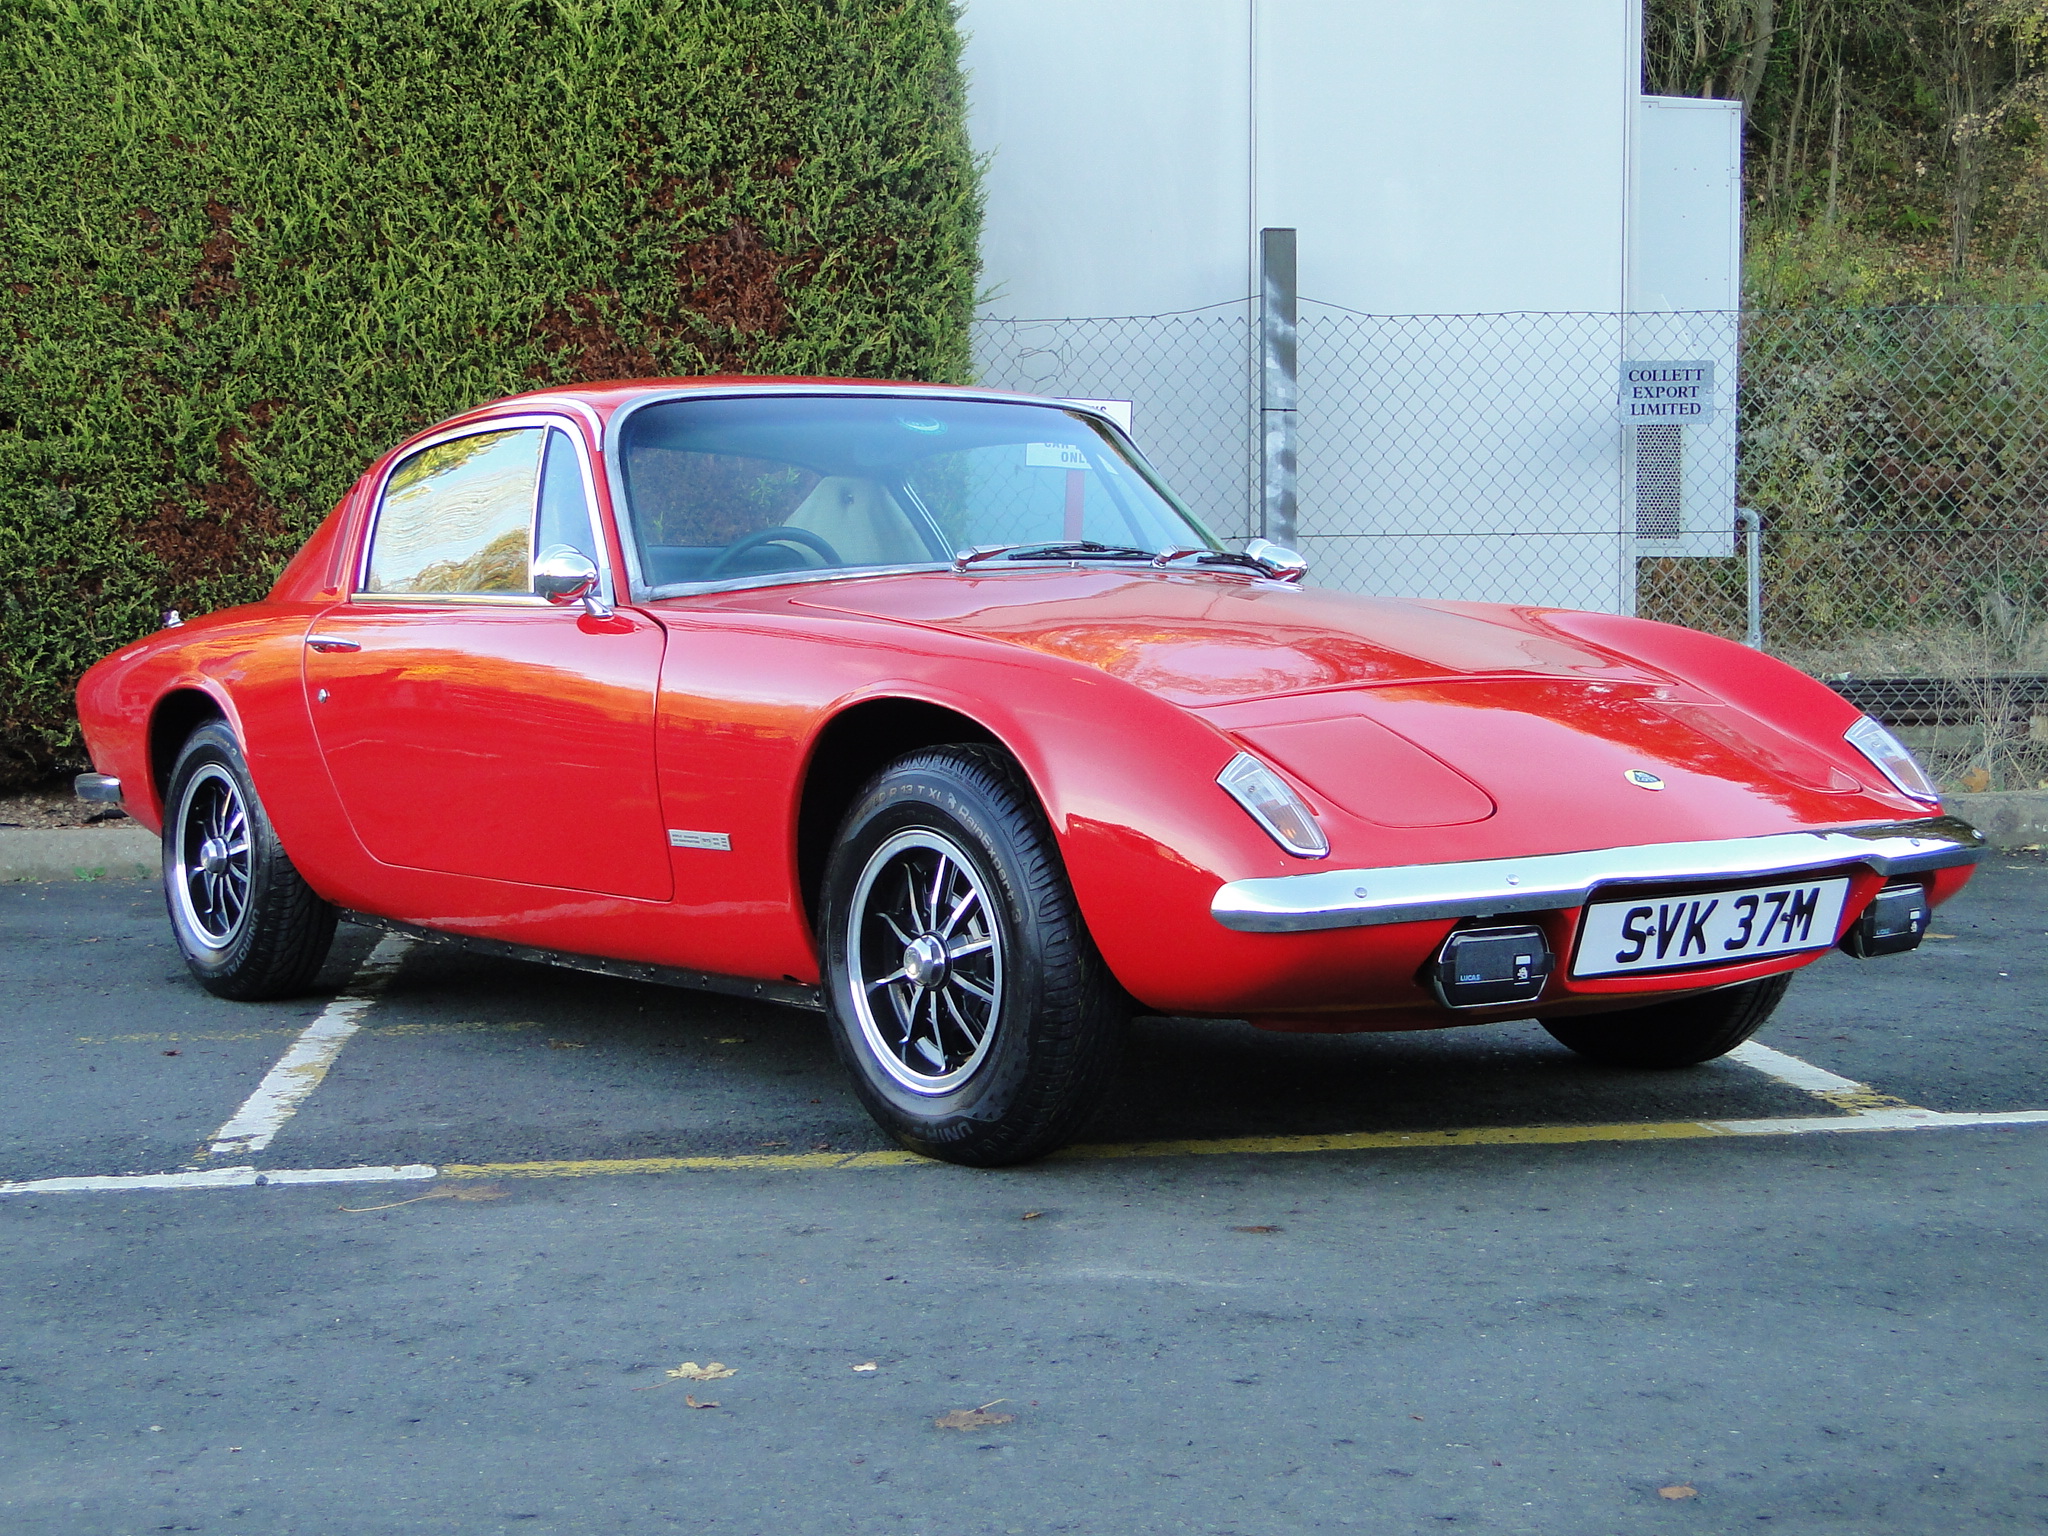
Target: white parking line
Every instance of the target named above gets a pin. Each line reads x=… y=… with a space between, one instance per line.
x=299 y=1071
x=1791 y=1070
x=1237 y=1146
x=218 y=1178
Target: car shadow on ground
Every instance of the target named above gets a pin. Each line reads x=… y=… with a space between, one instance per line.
x=473 y=1059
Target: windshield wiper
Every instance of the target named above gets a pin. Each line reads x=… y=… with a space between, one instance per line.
x=1269 y=560
x=1206 y=556
x=1074 y=549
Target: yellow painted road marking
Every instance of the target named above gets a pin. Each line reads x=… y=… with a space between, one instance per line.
x=1908 y=1119
x=783 y=1162
x=1366 y=1141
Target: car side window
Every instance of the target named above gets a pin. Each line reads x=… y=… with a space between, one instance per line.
x=458 y=517
x=564 y=504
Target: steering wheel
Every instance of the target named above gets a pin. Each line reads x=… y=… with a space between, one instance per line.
x=802 y=537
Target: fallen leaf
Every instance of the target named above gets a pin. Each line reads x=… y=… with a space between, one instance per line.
x=867 y=1365
x=1031 y=1216
x=973 y=1418
x=173 y=1053
x=1255 y=1229
x=1679 y=1491
x=1417 y=1418
x=566 y=1045
x=690 y=1370
x=732 y=1039
x=695 y=1404
x=771 y=1143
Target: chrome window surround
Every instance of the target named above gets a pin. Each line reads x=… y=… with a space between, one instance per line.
x=1409 y=893
x=524 y=420
x=615 y=472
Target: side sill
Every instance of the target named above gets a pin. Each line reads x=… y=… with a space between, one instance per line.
x=793 y=994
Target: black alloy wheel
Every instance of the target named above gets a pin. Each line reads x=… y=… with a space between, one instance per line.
x=969 y=1004
x=247 y=924
x=1676 y=1034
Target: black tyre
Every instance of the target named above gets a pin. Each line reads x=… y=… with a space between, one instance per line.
x=966 y=998
x=1680 y=1034
x=248 y=926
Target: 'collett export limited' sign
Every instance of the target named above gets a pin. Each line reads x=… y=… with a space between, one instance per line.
x=1681 y=394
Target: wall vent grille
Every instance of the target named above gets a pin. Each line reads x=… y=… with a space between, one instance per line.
x=1660 y=482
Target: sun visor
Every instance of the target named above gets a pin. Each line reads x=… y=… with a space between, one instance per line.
x=1365 y=769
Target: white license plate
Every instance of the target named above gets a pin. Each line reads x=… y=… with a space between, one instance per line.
x=1715 y=928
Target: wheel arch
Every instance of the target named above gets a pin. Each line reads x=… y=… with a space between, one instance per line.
x=175 y=717
x=853 y=746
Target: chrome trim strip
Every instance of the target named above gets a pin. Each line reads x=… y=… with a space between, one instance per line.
x=101 y=787
x=1408 y=893
x=794 y=994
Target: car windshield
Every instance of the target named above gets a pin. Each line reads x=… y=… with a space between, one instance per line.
x=729 y=489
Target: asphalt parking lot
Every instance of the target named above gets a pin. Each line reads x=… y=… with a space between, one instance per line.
x=1270 y=1295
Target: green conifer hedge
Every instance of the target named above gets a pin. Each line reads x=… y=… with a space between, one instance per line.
x=245 y=245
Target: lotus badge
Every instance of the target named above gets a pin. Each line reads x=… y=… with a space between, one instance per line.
x=1642 y=778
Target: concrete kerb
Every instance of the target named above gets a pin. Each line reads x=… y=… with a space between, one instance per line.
x=78 y=853
x=2010 y=818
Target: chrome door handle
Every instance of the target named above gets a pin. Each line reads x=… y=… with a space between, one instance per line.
x=331 y=643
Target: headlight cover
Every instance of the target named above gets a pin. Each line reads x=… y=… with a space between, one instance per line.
x=1892 y=759
x=1267 y=799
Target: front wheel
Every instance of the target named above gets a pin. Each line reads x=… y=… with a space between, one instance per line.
x=247 y=924
x=966 y=998
x=1679 y=1034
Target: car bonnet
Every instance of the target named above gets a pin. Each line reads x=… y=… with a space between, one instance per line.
x=1401 y=712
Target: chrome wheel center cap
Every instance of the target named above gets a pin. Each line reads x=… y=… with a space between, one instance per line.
x=213 y=855
x=924 y=960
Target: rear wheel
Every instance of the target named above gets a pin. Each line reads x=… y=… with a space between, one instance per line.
x=967 y=1000
x=248 y=926
x=1677 y=1034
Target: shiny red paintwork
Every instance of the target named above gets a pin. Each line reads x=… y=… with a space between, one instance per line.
x=511 y=773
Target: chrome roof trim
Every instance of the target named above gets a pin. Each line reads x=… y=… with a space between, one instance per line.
x=1409 y=893
x=542 y=417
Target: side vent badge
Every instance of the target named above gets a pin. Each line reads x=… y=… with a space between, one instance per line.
x=718 y=842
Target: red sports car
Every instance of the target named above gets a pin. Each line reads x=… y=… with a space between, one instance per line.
x=933 y=708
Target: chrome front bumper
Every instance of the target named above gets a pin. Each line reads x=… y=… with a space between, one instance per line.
x=1408 y=893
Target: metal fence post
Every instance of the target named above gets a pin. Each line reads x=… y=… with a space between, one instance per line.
x=1753 y=583
x=1278 y=313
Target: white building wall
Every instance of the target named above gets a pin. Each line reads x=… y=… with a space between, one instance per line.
x=1460 y=179
x=1118 y=140
x=1448 y=158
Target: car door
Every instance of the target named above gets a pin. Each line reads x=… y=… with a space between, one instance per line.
x=470 y=726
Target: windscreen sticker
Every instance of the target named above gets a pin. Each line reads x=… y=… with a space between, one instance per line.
x=1055 y=456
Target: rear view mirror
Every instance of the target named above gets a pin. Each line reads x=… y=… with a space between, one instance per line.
x=564 y=575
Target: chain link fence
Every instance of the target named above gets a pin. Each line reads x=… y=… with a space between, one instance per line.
x=1896 y=461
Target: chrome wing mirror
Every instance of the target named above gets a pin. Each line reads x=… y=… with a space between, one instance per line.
x=565 y=575
x=1281 y=563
